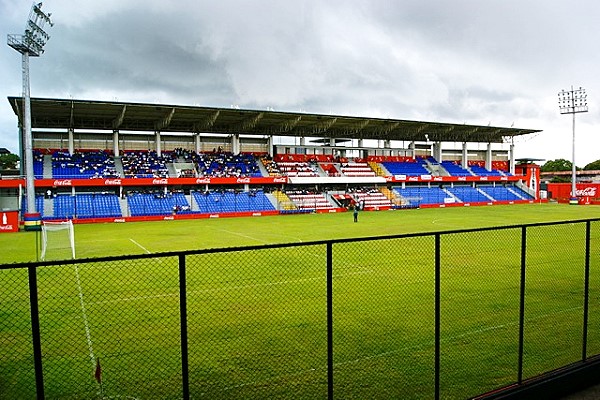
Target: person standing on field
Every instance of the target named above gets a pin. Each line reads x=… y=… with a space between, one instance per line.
x=356 y=210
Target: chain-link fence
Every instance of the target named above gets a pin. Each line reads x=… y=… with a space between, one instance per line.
x=425 y=316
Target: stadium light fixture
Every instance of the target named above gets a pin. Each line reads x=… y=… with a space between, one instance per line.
x=573 y=101
x=31 y=43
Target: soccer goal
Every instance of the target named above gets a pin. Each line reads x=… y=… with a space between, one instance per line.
x=58 y=240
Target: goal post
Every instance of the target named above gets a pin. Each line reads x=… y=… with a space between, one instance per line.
x=58 y=238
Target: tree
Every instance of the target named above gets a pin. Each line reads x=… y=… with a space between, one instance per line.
x=8 y=161
x=557 y=165
x=595 y=165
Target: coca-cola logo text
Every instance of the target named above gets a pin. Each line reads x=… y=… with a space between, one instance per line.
x=589 y=191
x=162 y=181
x=63 y=182
x=112 y=182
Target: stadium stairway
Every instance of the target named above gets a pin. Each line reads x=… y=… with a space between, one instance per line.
x=282 y=201
x=450 y=194
x=378 y=168
x=390 y=195
x=48 y=166
x=485 y=194
x=119 y=168
x=262 y=168
x=272 y=199
x=171 y=170
x=519 y=195
x=191 y=201
x=48 y=208
x=124 y=206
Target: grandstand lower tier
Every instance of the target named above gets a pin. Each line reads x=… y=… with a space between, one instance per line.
x=164 y=204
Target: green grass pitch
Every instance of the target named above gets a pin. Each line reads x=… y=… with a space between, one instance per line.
x=256 y=319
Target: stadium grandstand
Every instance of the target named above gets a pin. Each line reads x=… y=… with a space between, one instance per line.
x=96 y=161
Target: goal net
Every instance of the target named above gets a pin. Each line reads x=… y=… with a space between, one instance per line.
x=58 y=240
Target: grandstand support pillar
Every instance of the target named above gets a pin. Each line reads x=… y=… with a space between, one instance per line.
x=71 y=141
x=157 y=143
x=235 y=143
x=197 y=143
x=413 y=150
x=511 y=159
x=465 y=156
x=116 y=143
x=437 y=151
x=387 y=145
x=488 y=157
x=270 y=146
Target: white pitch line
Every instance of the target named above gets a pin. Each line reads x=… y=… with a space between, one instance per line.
x=85 y=320
x=242 y=235
x=390 y=352
x=140 y=246
x=240 y=287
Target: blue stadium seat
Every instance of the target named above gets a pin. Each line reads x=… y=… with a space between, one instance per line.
x=455 y=169
x=480 y=171
x=222 y=202
x=468 y=194
x=417 y=195
x=146 y=204
x=416 y=168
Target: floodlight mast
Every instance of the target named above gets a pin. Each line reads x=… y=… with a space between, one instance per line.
x=30 y=44
x=573 y=101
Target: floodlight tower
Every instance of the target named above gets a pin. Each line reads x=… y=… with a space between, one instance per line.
x=572 y=102
x=30 y=44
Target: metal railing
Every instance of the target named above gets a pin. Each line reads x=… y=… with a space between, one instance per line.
x=422 y=316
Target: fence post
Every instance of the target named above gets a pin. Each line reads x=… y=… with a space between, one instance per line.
x=185 y=377
x=437 y=315
x=586 y=291
x=35 y=333
x=329 y=321
x=522 y=303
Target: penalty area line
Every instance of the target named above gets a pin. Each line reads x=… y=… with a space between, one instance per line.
x=140 y=246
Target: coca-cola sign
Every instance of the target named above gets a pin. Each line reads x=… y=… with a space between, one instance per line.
x=110 y=182
x=589 y=191
x=243 y=180
x=162 y=181
x=63 y=182
x=202 y=180
x=279 y=180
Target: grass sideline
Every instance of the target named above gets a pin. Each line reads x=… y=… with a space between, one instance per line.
x=256 y=319
x=96 y=240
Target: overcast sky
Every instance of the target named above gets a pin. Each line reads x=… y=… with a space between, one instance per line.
x=498 y=62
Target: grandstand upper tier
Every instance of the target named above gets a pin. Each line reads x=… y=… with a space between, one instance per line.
x=102 y=139
x=102 y=164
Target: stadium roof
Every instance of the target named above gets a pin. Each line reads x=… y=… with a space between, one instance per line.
x=109 y=115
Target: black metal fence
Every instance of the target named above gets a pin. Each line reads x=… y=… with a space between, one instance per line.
x=424 y=316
